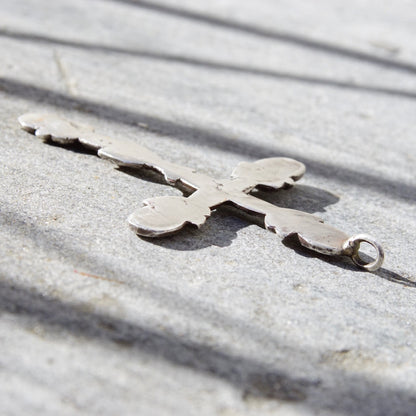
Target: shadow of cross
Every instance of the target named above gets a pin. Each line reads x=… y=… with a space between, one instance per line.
x=164 y=215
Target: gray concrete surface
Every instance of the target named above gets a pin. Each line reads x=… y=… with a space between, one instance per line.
x=226 y=320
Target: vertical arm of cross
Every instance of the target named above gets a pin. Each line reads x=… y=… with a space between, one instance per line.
x=311 y=230
x=121 y=152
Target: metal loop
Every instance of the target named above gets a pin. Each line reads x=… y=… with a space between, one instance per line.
x=354 y=243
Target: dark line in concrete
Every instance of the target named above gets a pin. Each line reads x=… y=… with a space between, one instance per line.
x=280 y=36
x=207 y=64
x=203 y=137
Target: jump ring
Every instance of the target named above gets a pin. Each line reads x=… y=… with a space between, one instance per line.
x=352 y=245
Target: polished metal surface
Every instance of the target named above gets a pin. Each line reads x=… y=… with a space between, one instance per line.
x=164 y=215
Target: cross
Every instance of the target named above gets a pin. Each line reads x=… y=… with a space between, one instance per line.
x=167 y=214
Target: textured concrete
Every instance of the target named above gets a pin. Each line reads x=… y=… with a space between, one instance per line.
x=225 y=320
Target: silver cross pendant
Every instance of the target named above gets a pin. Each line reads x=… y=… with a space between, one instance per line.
x=164 y=215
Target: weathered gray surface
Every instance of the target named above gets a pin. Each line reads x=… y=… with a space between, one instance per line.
x=224 y=320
